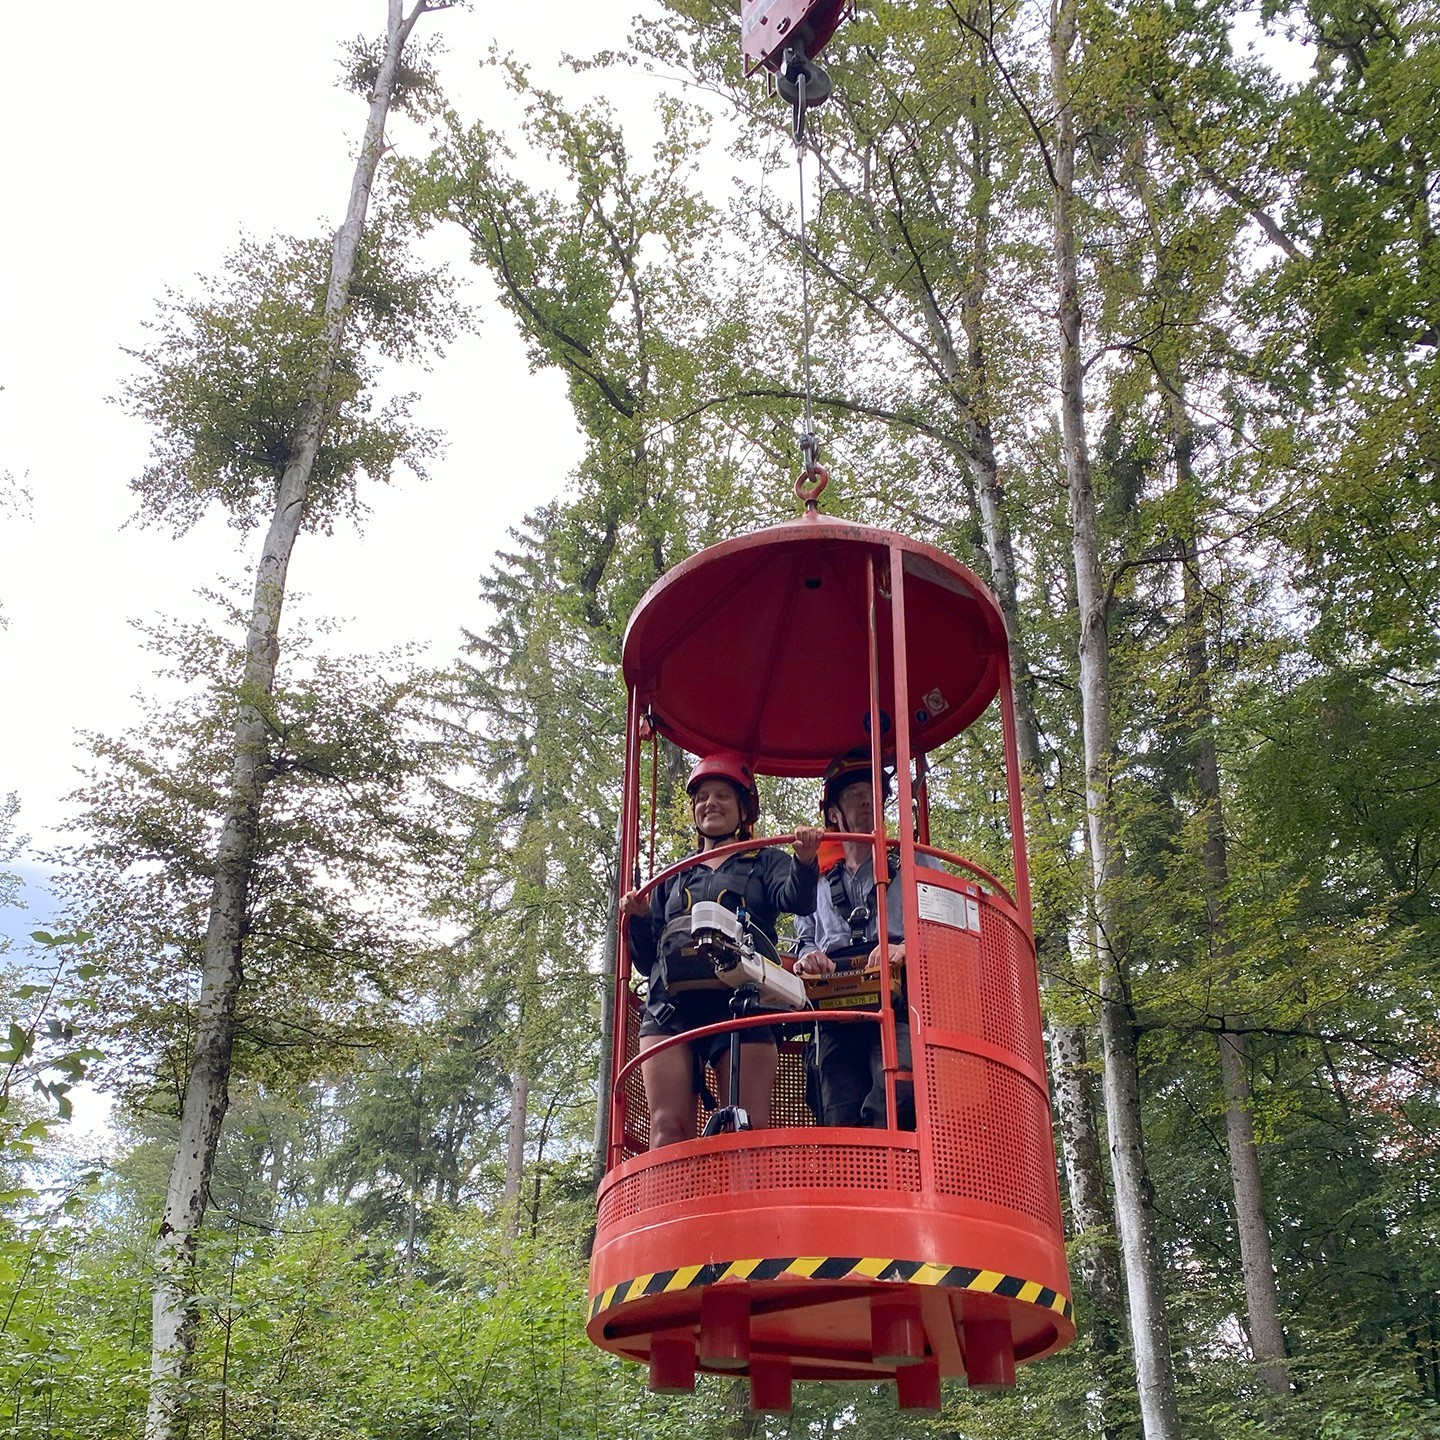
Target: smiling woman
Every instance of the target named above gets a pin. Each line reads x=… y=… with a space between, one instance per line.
x=764 y=883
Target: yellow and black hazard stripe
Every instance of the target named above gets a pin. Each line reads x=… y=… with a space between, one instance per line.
x=835 y=1267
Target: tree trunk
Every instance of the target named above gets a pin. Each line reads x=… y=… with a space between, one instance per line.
x=1262 y=1291
x=1134 y=1197
x=515 y=1146
x=1070 y=1074
x=222 y=967
x=1074 y=1096
x=1070 y=1071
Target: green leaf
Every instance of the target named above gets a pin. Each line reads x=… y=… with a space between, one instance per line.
x=17 y=1044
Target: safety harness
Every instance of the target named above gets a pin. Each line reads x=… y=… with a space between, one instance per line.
x=681 y=966
x=864 y=926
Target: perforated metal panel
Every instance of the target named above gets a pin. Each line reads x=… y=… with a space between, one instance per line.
x=784 y=1167
x=1011 y=995
x=983 y=985
x=989 y=1120
x=991 y=1132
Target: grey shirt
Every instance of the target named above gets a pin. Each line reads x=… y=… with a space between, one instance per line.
x=828 y=929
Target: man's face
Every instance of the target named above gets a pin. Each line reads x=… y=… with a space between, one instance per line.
x=854 y=808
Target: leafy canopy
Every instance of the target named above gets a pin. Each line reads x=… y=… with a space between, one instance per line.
x=226 y=376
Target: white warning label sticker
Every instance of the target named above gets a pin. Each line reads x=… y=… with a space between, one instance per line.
x=946 y=907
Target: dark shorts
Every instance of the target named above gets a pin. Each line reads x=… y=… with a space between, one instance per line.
x=692 y=1010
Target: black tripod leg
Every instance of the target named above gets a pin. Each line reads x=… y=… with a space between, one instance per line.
x=733 y=1116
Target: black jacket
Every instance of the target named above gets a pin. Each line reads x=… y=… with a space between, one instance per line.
x=771 y=881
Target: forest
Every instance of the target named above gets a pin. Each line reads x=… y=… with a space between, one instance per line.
x=1131 y=306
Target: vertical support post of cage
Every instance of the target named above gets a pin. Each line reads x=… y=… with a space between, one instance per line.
x=889 y=1055
x=904 y=792
x=919 y=984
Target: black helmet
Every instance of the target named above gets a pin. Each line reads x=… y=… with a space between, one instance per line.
x=844 y=770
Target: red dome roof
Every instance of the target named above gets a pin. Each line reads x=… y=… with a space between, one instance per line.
x=759 y=644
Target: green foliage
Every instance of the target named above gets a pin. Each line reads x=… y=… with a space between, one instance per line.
x=73 y=1302
x=539 y=875
x=42 y=1046
x=336 y=931
x=227 y=374
x=416 y=90
x=617 y=277
x=418 y=1131
x=310 y=1336
x=1348 y=770
x=1348 y=331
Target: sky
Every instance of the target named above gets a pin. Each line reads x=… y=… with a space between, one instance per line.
x=154 y=136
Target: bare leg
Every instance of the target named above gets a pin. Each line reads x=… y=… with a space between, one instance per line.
x=758 y=1064
x=670 y=1092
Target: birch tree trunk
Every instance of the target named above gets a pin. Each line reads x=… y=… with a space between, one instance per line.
x=1134 y=1196
x=1070 y=1071
x=1262 y=1291
x=1262 y=1295
x=206 y=1094
x=1074 y=1095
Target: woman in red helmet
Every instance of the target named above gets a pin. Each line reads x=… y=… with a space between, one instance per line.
x=725 y=805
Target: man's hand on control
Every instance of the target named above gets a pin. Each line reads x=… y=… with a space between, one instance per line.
x=814 y=962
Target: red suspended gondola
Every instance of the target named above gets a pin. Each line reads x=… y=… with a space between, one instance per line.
x=804 y=1252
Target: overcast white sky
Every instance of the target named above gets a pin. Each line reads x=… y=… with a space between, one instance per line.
x=142 y=140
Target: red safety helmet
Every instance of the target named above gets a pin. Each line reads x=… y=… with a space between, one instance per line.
x=728 y=765
x=843 y=771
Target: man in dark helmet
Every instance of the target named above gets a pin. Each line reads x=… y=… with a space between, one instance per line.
x=768 y=882
x=845 y=925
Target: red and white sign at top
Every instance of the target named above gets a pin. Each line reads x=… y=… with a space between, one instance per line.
x=768 y=26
